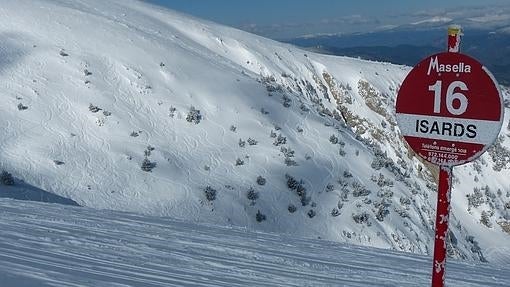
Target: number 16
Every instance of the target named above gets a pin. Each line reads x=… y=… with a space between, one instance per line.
x=451 y=96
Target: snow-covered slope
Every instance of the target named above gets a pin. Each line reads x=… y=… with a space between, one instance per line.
x=231 y=129
x=86 y=247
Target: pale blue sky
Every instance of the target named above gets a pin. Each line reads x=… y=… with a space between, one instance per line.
x=284 y=18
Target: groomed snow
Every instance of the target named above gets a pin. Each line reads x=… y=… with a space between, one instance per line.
x=55 y=245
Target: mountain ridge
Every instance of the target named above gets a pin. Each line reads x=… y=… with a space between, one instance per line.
x=123 y=106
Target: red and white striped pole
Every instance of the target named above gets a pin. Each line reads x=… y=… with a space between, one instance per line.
x=442 y=216
x=444 y=191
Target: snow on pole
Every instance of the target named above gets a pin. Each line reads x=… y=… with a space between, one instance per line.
x=454 y=36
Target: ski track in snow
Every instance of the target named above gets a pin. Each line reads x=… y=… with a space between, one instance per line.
x=86 y=247
x=226 y=74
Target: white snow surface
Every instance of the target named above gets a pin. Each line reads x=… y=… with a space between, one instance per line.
x=145 y=67
x=87 y=247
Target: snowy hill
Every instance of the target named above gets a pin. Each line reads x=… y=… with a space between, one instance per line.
x=39 y=247
x=120 y=105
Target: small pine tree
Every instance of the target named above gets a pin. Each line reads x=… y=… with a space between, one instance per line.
x=194 y=115
x=260 y=217
x=361 y=218
x=333 y=139
x=292 y=183
x=94 y=109
x=280 y=140
x=305 y=200
x=261 y=180
x=252 y=194
x=290 y=162
x=286 y=101
x=382 y=211
x=22 y=107
x=171 y=111
x=147 y=165
x=287 y=152
x=330 y=187
x=147 y=152
x=6 y=178
x=210 y=193
x=341 y=152
x=300 y=190
x=485 y=219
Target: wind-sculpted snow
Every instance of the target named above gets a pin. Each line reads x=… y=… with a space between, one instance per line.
x=54 y=245
x=121 y=105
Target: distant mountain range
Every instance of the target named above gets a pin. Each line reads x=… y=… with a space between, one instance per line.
x=409 y=44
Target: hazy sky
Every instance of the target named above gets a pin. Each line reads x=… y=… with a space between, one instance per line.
x=288 y=18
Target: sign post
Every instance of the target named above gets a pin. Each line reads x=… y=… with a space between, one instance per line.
x=450 y=111
x=442 y=216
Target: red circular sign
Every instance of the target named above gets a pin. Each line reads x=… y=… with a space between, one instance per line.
x=449 y=109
